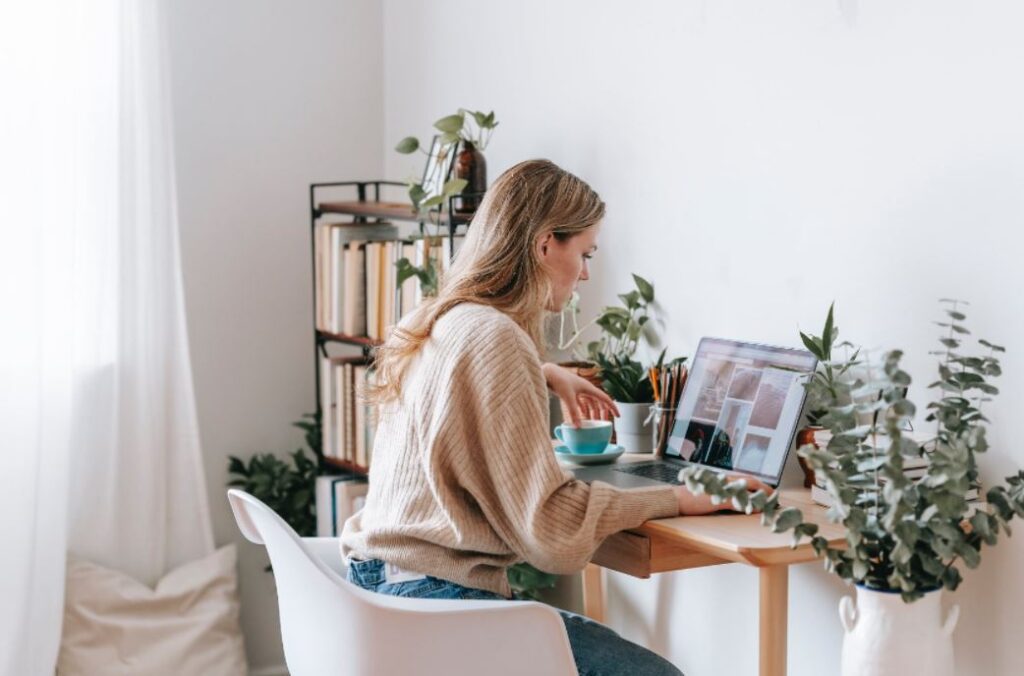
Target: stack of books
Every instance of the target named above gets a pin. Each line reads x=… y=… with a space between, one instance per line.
x=338 y=498
x=914 y=469
x=357 y=290
x=331 y=242
x=348 y=423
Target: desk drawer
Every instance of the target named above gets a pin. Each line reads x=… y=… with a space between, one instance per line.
x=640 y=555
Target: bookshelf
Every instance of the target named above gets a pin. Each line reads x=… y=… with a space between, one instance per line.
x=367 y=207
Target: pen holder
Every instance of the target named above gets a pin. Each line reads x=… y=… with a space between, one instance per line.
x=664 y=418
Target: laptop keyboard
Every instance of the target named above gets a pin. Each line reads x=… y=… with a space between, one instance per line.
x=665 y=472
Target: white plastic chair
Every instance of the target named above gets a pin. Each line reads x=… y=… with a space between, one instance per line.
x=331 y=626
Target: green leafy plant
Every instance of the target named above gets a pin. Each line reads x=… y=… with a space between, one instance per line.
x=454 y=129
x=465 y=126
x=902 y=535
x=527 y=582
x=627 y=381
x=426 y=274
x=624 y=378
x=828 y=374
x=623 y=326
x=288 y=488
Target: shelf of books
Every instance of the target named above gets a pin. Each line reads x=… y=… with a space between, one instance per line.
x=358 y=299
x=358 y=296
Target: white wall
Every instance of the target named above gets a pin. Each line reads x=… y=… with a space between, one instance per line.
x=268 y=98
x=760 y=159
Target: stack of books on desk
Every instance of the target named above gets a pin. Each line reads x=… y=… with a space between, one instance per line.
x=914 y=469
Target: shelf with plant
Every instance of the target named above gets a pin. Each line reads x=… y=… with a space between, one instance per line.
x=466 y=134
x=906 y=537
x=455 y=130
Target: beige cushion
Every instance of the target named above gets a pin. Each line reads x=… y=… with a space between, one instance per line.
x=113 y=624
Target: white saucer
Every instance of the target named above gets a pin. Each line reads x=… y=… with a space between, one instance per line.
x=609 y=454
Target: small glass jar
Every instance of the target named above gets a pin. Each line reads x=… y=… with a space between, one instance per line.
x=664 y=418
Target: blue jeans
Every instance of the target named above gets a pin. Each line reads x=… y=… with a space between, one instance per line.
x=596 y=649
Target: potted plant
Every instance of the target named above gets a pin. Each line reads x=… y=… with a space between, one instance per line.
x=456 y=135
x=906 y=538
x=622 y=376
x=827 y=377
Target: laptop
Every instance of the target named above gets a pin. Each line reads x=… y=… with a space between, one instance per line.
x=738 y=412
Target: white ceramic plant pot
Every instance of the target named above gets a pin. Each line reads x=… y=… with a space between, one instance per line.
x=887 y=637
x=630 y=431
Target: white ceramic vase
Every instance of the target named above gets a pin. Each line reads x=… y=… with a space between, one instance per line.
x=630 y=430
x=887 y=637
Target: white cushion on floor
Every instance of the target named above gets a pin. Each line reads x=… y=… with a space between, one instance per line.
x=188 y=624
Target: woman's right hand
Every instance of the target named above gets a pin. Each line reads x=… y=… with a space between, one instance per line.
x=691 y=504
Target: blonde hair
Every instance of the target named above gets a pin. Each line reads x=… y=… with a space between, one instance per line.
x=498 y=264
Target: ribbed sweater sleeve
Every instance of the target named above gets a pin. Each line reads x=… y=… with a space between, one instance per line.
x=500 y=450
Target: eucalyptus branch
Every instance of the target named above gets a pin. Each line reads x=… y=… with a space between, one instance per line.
x=902 y=534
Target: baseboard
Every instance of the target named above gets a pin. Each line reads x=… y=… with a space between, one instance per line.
x=273 y=670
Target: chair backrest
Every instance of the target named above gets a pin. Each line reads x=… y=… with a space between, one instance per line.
x=320 y=611
x=330 y=626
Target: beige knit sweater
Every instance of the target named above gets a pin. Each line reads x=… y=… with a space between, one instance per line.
x=464 y=482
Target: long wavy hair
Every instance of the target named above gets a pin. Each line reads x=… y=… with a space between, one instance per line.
x=498 y=265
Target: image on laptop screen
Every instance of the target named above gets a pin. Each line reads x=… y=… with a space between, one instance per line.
x=741 y=406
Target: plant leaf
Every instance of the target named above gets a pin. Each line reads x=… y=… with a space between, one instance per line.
x=455 y=186
x=646 y=288
x=450 y=124
x=409 y=144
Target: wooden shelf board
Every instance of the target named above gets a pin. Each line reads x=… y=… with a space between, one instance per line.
x=394 y=210
x=399 y=211
x=346 y=465
x=351 y=340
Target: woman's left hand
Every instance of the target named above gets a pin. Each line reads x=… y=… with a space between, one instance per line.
x=580 y=398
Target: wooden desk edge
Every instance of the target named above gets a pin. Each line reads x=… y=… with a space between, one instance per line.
x=754 y=556
x=656 y=547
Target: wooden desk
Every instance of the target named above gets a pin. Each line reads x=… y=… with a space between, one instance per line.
x=666 y=545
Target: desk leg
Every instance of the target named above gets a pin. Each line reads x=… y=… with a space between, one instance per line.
x=774 y=612
x=593 y=592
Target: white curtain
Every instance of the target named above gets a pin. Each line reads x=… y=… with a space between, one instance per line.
x=99 y=438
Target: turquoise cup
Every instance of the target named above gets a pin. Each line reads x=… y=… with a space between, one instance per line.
x=592 y=436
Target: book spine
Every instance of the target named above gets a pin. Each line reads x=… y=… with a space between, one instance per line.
x=337 y=255
x=318 y=290
x=360 y=415
x=342 y=415
x=350 y=430
x=327 y=407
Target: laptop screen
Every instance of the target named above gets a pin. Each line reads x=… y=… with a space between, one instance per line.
x=740 y=407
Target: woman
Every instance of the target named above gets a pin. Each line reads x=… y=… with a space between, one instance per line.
x=464 y=482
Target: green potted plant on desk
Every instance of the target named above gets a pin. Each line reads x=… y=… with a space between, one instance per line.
x=611 y=360
x=827 y=377
x=907 y=534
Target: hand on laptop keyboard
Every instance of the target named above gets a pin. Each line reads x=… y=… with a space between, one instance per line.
x=693 y=505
